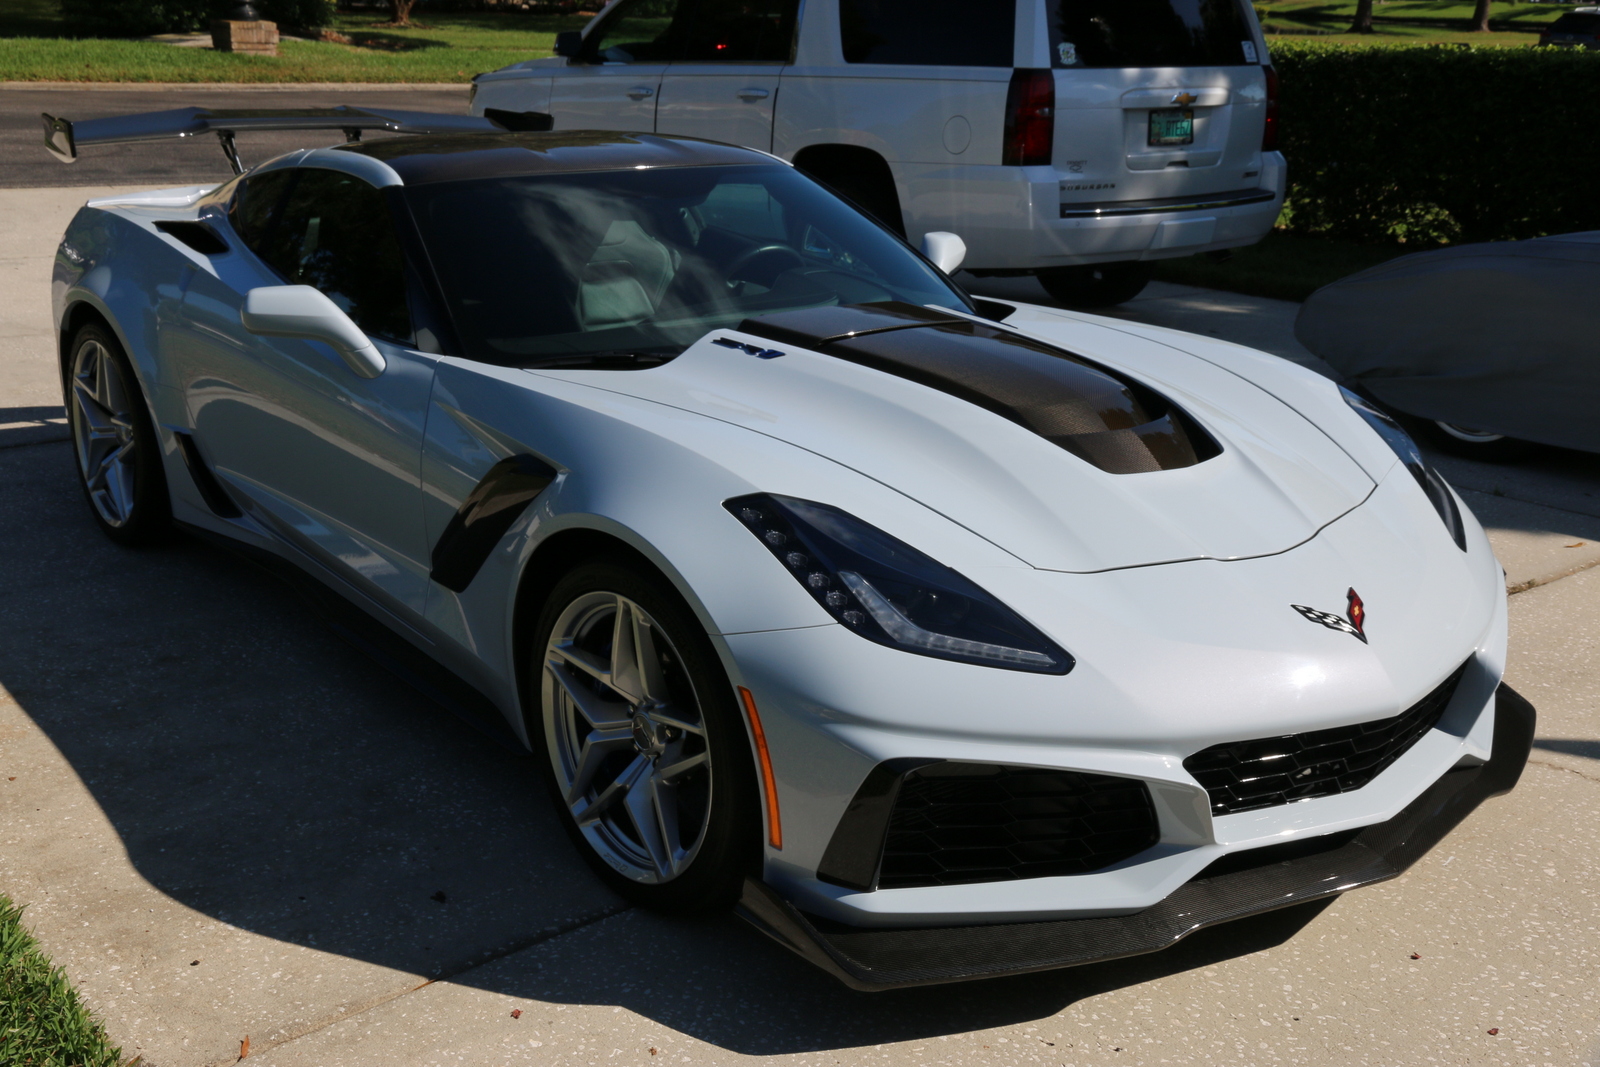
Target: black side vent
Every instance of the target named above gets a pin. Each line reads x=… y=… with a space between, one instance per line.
x=1116 y=423
x=951 y=823
x=1246 y=775
x=484 y=517
x=211 y=490
x=197 y=235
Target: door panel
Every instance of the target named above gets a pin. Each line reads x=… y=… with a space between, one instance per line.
x=612 y=84
x=732 y=104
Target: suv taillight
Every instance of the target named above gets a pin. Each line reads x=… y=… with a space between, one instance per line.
x=1030 y=118
x=1269 y=135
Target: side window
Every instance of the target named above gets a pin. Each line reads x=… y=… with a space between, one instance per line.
x=255 y=206
x=334 y=232
x=642 y=31
x=943 y=33
x=741 y=31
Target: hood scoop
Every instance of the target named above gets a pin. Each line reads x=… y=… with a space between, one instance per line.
x=1115 y=423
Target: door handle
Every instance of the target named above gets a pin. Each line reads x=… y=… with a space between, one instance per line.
x=641 y=92
x=750 y=96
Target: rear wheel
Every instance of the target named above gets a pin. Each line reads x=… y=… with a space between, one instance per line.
x=642 y=741
x=118 y=454
x=1098 y=286
x=1479 y=444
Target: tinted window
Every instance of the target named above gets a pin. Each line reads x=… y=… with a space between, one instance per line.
x=945 y=33
x=1150 y=33
x=334 y=232
x=255 y=206
x=741 y=31
x=644 y=31
x=643 y=263
x=1574 y=23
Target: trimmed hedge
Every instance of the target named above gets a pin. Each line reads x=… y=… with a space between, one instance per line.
x=139 y=18
x=1437 y=143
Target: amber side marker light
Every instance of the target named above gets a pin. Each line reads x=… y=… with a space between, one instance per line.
x=770 y=784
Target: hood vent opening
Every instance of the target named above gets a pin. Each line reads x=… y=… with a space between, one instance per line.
x=1119 y=425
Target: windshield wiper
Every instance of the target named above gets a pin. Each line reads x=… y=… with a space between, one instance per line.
x=616 y=360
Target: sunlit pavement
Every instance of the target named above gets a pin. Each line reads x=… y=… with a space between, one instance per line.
x=228 y=824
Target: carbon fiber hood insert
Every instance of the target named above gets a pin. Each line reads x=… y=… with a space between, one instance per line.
x=1119 y=425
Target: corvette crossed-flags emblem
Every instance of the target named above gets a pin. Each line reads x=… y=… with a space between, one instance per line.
x=1354 y=624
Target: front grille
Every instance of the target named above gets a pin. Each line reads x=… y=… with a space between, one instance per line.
x=957 y=823
x=1247 y=775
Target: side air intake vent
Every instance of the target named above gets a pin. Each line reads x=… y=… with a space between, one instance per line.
x=951 y=823
x=1114 y=422
x=1246 y=775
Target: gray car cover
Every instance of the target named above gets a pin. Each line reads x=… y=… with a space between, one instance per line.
x=1502 y=337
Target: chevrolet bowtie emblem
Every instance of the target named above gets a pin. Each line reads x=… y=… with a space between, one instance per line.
x=1184 y=98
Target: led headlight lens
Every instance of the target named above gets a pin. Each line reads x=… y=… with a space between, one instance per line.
x=1444 y=502
x=888 y=592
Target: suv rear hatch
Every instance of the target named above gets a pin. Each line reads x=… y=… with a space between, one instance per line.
x=1155 y=99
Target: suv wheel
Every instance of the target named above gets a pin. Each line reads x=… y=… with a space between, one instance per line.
x=642 y=743
x=115 y=445
x=1098 y=286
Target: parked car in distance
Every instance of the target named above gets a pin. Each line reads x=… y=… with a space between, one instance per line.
x=1578 y=28
x=1077 y=140
x=1490 y=346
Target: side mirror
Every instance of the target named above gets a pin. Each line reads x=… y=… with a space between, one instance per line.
x=303 y=312
x=946 y=250
x=569 y=43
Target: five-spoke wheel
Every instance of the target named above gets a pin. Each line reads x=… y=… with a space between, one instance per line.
x=116 y=449
x=644 y=750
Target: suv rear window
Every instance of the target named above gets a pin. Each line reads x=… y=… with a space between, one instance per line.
x=1150 y=33
x=1576 y=23
x=938 y=33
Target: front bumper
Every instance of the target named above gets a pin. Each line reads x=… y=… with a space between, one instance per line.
x=1235 y=887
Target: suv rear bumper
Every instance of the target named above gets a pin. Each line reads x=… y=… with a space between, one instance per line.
x=874 y=959
x=1015 y=218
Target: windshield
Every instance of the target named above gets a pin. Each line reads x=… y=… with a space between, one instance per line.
x=1150 y=33
x=633 y=266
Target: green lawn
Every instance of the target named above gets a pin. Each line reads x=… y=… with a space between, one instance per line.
x=447 y=47
x=42 y=1021
x=1407 y=21
x=1284 y=266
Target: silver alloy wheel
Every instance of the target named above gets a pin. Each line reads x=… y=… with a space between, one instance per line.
x=1470 y=436
x=102 y=431
x=626 y=737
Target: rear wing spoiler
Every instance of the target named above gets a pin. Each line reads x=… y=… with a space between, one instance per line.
x=63 y=138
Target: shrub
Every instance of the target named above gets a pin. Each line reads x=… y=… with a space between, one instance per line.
x=1436 y=143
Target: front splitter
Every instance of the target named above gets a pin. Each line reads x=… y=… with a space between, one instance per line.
x=874 y=959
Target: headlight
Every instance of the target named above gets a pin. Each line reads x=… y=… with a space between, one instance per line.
x=888 y=592
x=1444 y=502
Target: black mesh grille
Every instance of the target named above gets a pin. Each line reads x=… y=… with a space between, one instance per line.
x=956 y=823
x=1246 y=775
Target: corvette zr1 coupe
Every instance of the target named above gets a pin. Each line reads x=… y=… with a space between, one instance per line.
x=943 y=638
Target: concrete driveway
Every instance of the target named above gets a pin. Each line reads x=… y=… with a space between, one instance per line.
x=229 y=824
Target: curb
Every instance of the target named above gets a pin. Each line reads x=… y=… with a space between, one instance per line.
x=236 y=87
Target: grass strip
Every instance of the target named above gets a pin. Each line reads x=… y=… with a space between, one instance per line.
x=1283 y=266
x=43 y=1023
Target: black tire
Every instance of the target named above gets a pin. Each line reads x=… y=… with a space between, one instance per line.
x=115 y=448
x=1476 y=444
x=728 y=847
x=1099 y=286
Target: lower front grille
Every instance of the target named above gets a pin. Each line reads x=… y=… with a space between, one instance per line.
x=958 y=823
x=1247 y=775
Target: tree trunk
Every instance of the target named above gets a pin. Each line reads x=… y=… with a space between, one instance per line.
x=400 y=11
x=1363 y=22
x=1480 y=17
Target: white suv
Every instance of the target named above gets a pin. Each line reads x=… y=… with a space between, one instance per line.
x=1073 y=139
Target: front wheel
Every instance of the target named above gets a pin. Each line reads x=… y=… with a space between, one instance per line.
x=642 y=741
x=1479 y=444
x=114 y=442
x=1099 y=286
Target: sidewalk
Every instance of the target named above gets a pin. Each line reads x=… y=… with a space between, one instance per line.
x=227 y=824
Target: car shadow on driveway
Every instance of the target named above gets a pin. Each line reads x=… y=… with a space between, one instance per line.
x=262 y=772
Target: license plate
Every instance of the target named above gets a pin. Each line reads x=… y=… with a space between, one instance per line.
x=1175 y=126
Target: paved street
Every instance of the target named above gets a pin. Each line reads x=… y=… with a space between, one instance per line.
x=227 y=823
